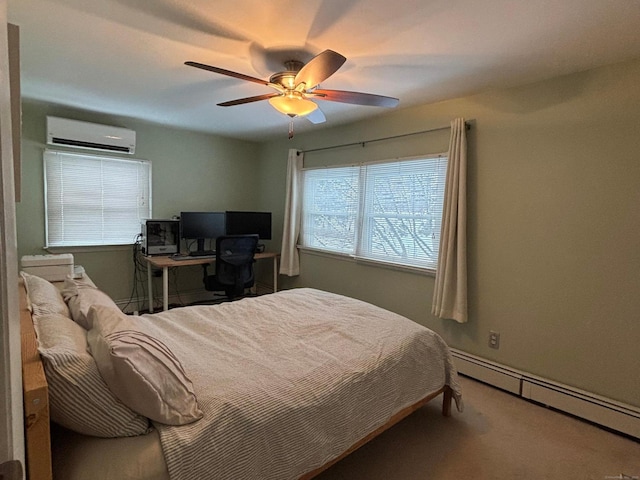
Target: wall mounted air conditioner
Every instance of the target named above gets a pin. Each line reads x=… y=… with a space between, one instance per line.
x=73 y=133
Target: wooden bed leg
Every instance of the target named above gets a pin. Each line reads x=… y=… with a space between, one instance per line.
x=446 y=401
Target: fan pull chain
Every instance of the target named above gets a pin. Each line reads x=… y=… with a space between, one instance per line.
x=291 y=128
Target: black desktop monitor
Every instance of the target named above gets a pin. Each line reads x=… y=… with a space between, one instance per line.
x=201 y=226
x=244 y=223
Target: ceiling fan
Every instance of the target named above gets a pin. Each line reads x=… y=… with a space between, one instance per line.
x=297 y=86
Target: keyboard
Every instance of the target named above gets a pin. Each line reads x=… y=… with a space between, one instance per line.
x=179 y=257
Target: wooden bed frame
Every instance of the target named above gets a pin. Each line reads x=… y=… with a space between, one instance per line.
x=36 y=399
x=36 y=406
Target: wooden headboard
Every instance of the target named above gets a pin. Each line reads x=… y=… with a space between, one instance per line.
x=36 y=399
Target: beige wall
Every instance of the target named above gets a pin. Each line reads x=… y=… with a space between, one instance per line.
x=554 y=228
x=191 y=171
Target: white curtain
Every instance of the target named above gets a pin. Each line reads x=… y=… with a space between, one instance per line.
x=289 y=258
x=450 y=293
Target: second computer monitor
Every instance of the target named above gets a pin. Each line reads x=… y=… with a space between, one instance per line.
x=202 y=226
x=245 y=223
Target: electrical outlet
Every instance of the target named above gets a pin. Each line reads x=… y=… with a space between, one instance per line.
x=494 y=340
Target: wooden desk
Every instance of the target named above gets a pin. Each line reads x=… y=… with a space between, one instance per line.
x=166 y=262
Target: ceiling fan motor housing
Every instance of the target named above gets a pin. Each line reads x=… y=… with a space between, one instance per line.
x=287 y=78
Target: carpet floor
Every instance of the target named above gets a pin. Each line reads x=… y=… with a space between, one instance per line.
x=498 y=436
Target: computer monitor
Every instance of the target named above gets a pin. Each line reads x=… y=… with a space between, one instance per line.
x=244 y=223
x=201 y=226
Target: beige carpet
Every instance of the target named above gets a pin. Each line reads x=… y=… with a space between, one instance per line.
x=498 y=436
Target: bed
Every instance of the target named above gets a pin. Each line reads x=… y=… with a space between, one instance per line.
x=278 y=386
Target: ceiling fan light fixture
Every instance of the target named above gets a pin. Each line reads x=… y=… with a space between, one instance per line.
x=293 y=105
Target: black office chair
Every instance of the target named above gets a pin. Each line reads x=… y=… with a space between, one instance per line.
x=234 y=265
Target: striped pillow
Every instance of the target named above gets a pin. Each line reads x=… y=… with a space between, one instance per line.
x=79 y=398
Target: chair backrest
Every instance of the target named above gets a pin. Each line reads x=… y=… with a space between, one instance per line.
x=234 y=260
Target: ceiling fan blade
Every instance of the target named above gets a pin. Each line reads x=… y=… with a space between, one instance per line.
x=357 y=98
x=240 y=101
x=317 y=116
x=229 y=73
x=319 y=68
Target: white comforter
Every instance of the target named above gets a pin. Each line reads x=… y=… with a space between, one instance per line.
x=289 y=381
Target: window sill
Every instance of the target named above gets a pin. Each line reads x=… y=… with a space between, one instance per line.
x=88 y=249
x=367 y=261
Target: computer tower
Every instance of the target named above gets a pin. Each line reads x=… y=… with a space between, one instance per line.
x=160 y=237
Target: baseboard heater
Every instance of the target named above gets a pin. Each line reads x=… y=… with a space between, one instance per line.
x=594 y=408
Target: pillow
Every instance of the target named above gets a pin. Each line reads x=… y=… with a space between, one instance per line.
x=81 y=281
x=80 y=294
x=79 y=398
x=141 y=370
x=44 y=298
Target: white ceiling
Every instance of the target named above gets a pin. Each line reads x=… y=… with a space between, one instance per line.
x=126 y=57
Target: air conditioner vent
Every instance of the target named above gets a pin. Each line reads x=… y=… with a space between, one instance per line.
x=81 y=144
x=77 y=134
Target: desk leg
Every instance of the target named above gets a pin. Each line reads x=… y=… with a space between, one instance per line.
x=165 y=288
x=275 y=274
x=150 y=287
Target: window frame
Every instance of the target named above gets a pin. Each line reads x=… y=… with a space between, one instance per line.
x=359 y=235
x=142 y=209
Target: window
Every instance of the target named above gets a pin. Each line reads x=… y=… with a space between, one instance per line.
x=94 y=200
x=386 y=211
x=330 y=208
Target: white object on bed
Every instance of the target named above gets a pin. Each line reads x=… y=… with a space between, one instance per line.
x=289 y=381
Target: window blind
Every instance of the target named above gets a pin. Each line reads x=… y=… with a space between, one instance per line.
x=95 y=200
x=385 y=211
x=402 y=211
x=330 y=204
